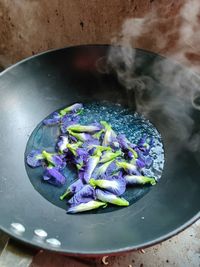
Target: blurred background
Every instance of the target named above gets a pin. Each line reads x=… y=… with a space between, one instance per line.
x=29 y=27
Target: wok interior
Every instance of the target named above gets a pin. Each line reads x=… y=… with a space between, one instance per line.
x=52 y=80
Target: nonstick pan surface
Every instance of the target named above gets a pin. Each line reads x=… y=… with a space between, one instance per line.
x=37 y=86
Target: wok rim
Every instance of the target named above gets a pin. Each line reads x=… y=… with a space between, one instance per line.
x=153 y=242
x=111 y=251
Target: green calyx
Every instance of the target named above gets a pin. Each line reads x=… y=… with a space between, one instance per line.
x=66 y=194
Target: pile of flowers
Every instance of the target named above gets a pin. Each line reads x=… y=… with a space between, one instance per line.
x=106 y=163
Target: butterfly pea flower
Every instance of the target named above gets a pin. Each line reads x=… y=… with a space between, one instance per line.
x=106 y=196
x=113 y=169
x=100 y=171
x=99 y=134
x=91 y=145
x=72 y=189
x=68 y=120
x=139 y=179
x=126 y=145
x=128 y=167
x=143 y=160
x=91 y=165
x=138 y=162
x=62 y=143
x=54 y=118
x=84 y=128
x=83 y=137
x=99 y=148
x=81 y=159
x=84 y=195
x=54 y=159
x=73 y=147
x=93 y=204
x=53 y=176
x=109 y=155
x=35 y=158
x=72 y=108
x=113 y=184
x=110 y=137
x=145 y=144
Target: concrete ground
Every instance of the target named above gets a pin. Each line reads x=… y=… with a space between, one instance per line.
x=182 y=250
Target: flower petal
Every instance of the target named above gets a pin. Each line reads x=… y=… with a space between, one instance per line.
x=90 y=166
x=84 y=128
x=110 y=137
x=83 y=137
x=115 y=184
x=100 y=171
x=34 y=158
x=106 y=196
x=73 y=147
x=53 y=176
x=99 y=134
x=109 y=155
x=93 y=204
x=72 y=189
x=128 y=167
x=126 y=145
x=54 y=159
x=62 y=143
x=138 y=179
x=84 y=195
x=72 y=108
x=53 y=119
x=68 y=120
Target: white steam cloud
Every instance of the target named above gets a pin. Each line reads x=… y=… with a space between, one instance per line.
x=179 y=90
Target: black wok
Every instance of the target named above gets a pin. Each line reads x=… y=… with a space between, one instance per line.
x=35 y=87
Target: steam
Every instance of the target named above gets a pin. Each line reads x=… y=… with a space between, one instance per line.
x=179 y=91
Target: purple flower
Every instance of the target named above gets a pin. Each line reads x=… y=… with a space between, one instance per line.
x=139 y=179
x=53 y=119
x=145 y=144
x=106 y=196
x=128 y=167
x=100 y=171
x=112 y=169
x=34 y=158
x=53 y=176
x=72 y=189
x=99 y=134
x=68 y=120
x=93 y=204
x=84 y=195
x=98 y=148
x=73 y=147
x=81 y=159
x=126 y=146
x=110 y=137
x=78 y=128
x=109 y=155
x=72 y=108
x=62 y=143
x=54 y=159
x=140 y=163
x=91 y=145
x=83 y=137
x=114 y=184
x=90 y=166
x=123 y=141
